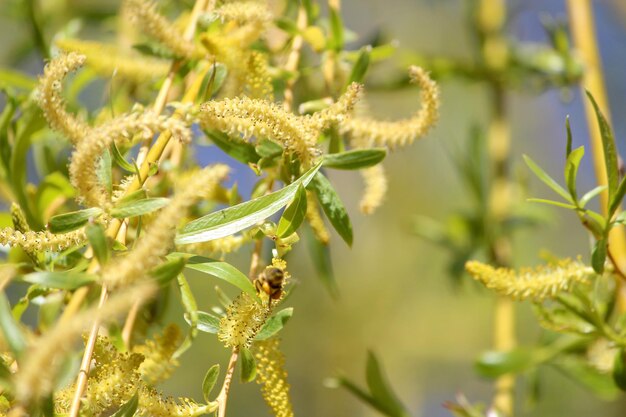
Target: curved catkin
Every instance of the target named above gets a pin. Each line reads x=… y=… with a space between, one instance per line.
x=534 y=284
x=338 y=112
x=244 y=318
x=108 y=59
x=402 y=132
x=35 y=378
x=159 y=237
x=40 y=241
x=83 y=165
x=51 y=101
x=271 y=374
x=144 y=13
x=375 y=188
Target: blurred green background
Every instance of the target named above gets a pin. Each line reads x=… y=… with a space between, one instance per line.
x=396 y=298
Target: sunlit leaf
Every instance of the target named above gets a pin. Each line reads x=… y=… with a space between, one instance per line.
x=67 y=222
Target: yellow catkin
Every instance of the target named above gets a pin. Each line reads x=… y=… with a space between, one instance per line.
x=258 y=82
x=245 y=12
x=144 y=13
x=315 y=219
x=39 y=241
x=271 y=374
x=534 y=284
x=83 y=165
x=375 y=188
x=158 y=363
x=260 y=118
x=51 y=101
x=108 y=59
x=159 y=237
x=402 y=132
x=244 y=318
x=35 y=378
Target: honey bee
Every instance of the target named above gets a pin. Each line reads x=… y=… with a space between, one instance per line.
x=270 y=281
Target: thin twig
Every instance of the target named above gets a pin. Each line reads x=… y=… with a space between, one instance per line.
x=294 y=58
x=222 y=397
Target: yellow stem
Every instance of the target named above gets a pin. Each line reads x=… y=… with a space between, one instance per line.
x=222 y=397
x=294 y=58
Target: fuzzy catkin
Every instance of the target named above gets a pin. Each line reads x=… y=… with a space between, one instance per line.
x=243 y=320
x=158 y=238
x=144 y=13
x=315 y=219
x=158 y=363
x=271 y=374
x=35 y=378
x=108 y=59
x=402 y=132
x=375 y=188
x=534 y=284
x=83 y=165
x=40 y=241
x=51 y=101
x=244 y=12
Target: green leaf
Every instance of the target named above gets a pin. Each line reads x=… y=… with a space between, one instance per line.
x=154 y=49
x=380 y=390
x=617 y=198
x=16 y=79
x=248 y=365
x=67 y=222
x=546 y=179
x=105 y=176
x=591 y=194
x=242 y=151
x=619 y=370
x=493 y=364
x=355 y=159
x=98 y=241
x=207 y=322
x=333 y=207
x=234 y=219
x=168 y=270
x=578 y=369
x=568 y=147
x=294 y=214
x=610 y=152
x=66 y=280
x=129 y=408
x=336 y=39
x=120 y=160
x=219 y=269
x=12 y=333
x=362 y=395
x=268 y=148
x=598 y=256
x=139 y=207
x=552 y=203
x=274 y=324
x=320 y=258
x=191 y=313
x=218 y=75
x=361 y=65
x=571 y=170
x=209 y=381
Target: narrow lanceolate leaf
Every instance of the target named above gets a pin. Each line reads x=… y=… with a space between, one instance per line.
x=274 y=324
x=120 y=160
x=379 y=388
x=129 y=408
x=72 y=221
x=191 y=313
x=598 y=256
x=209 y=381
x=248 y=365
x=234 y=219
x=12 y=333
x=207 y=322
x=610 y=152
x=169 y=270
x=589 y=195
x=333 y=207
x=571 y=170
x=360 y=66
x=219 y=269
x=294 y=214
x=336 y=40
x=568 y=147
x=98 y=241
x=320 y=258
x=547 y=179
x=60 y=280
x=242 y=151
x=138 y=207
x=355 y=159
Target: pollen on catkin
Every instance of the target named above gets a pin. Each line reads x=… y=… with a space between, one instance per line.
x=144 y=13
x=536 y=284
x=50 y=98
x=159 y=237
x=108 y=59
x=158 y=363
x=35 y=378
x=315 y=219
x=40 y=241
x=244 y=12
x=83 y=165
x=338 y=112
x=402 y=132
x=243 y=320
x=271 y=374
x=375 y=188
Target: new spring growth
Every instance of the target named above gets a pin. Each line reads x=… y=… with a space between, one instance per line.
x=243 y=320
x=271 y=374
x=83 y=165
x=535 y=284
x=144 y=13
x=41 y=241
x=159 y=237
x=51 y=101
x=366 y=132
x=375 y=188
x=261 y=118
